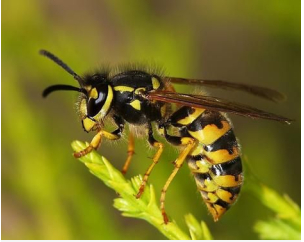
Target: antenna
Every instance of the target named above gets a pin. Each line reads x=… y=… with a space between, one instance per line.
x=61 y=87
x=63 y=65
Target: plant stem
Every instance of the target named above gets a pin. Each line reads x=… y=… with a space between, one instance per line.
x=144 y=208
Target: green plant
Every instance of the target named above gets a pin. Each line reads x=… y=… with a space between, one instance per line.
x=146 y=207
x=286 y=224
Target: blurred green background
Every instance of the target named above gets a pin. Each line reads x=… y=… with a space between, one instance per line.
x=47 y=194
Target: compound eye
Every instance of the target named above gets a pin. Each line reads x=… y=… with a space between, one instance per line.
x=95 y=105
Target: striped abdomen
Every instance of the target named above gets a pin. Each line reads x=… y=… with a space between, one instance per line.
x=215 y=161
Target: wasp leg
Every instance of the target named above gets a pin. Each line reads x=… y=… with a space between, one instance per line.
x=155 y=159
x=116 y=134
x=96 y=141
x=190 y=144
x=130 y=153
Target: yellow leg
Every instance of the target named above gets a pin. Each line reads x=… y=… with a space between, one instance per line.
x=155 y=159
x=96 y=142
x=130 y=153
x=190 y=143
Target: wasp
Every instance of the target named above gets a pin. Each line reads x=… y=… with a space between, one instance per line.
x=195 y=123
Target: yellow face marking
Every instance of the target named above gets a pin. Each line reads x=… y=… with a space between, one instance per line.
x=225 y=196
x=88 y=88
x=136 y=104
x=138 y=90
x=123 y=89
x=93 y=93
x=88 y=124
x=191 y=117
x=105 y=108
x=228 y=180
x=155 y=83
x=210 y=133
x=220 y=156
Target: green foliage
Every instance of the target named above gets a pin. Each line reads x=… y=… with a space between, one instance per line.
x=287 y=221
x=277 y=229
x=198 y=231
x=146 y=207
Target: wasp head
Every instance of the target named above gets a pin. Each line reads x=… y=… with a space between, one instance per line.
x=95 y=105
x=96 y=98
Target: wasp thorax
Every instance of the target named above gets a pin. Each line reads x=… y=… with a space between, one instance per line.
x=98 y=104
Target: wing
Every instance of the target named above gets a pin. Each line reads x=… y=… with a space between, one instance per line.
x=212 y=103
x=262 y=92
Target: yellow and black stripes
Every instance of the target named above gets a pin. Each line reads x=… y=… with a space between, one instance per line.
x=215 y=161
x=185 y=116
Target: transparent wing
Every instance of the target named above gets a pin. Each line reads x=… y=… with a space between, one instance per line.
x=213 y=103
x=262 y=92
